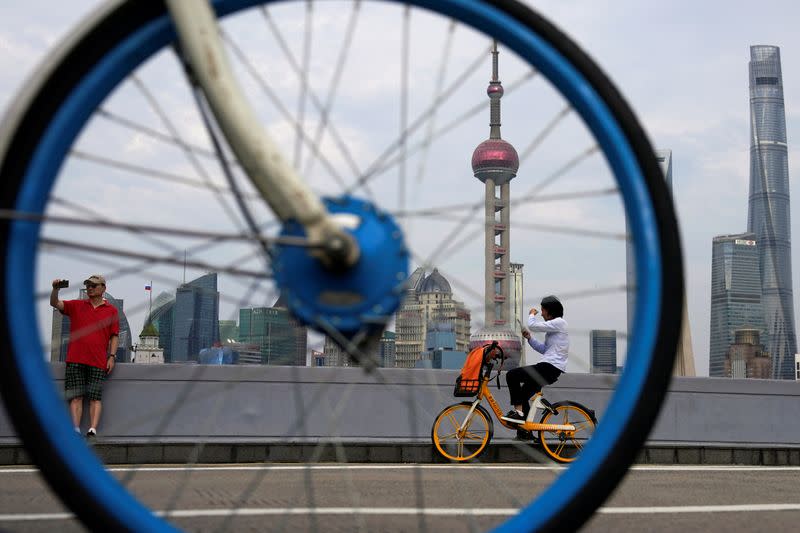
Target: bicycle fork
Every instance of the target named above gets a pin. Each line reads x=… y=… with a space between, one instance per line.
x=467 y=418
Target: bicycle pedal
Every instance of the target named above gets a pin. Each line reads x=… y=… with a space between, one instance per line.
x=548 y=406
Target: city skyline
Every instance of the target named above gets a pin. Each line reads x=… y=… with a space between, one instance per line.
x=706 y=127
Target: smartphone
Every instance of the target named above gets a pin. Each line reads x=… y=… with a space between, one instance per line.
x=63 y=284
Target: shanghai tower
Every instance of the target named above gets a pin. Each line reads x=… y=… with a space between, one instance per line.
x=768 y=209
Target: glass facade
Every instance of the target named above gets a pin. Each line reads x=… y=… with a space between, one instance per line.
x=164 y=324
x=279 y=338
x=388 y=354
x=735 y=295
x=228 y=331
x=603 y=351
x=768 y=210
x=195 y=318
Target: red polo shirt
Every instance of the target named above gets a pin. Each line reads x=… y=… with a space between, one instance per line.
x=90 y=329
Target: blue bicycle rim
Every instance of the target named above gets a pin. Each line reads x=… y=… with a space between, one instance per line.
x=136 y=48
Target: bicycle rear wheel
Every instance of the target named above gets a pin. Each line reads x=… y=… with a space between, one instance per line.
x=37 y=142
x=566 y=446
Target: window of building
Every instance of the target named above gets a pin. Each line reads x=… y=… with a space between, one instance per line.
x=766 y=80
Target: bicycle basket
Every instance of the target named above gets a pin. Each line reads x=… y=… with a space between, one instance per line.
x=466 y=387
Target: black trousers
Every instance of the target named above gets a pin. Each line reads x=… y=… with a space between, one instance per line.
x=525 y=381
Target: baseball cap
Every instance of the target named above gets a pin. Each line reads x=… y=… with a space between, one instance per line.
x=95 y=278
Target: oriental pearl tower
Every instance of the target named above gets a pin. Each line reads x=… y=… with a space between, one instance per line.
x=495 y=162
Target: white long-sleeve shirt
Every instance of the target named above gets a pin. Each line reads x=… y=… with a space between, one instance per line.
x=555 y=348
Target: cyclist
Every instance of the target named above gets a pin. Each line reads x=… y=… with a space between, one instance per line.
x=525 y=382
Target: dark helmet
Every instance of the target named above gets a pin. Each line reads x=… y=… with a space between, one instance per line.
x=553 y=306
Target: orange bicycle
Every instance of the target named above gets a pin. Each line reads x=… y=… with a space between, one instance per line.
x=462 y=431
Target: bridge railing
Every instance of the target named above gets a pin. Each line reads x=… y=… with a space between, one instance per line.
x=262 y=403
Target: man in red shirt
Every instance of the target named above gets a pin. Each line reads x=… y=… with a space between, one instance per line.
x=93 y=340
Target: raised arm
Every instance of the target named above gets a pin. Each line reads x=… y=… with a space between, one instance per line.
x=537 y=323
x=54 y=301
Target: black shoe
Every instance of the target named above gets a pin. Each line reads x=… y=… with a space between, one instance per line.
x=514 y=417
x=523 y=435
x=91 y=434
x=528 y=437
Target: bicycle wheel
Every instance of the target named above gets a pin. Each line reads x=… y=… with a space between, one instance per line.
x=456 y=444
x=38 y=146
x=566 y=446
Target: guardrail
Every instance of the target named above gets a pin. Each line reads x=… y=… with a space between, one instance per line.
x=272 y=406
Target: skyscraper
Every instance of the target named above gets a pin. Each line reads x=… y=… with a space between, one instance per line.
x=735 y=295
x=603 y=345
x=228 y=331
x=387 y=353
x=279 y=337
x=195 y=318
x=746 y=357
x=495 y=163
x=768 y=209
x=161 y=315
x=684 y=355
x=429 y=298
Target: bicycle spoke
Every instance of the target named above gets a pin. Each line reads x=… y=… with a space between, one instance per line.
x=303 y=74
x=155 y=174
x=157 y=135
x=104 y=250
x=7 y=214
x=195 y=163
x=332 y=89
x=401 y=168
x=266 y=89
x=437 y=95
x=382 y=165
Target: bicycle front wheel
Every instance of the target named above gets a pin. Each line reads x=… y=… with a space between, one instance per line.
x=91 y=128
x=458 y=438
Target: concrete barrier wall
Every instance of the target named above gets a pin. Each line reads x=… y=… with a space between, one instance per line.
x=258 y=403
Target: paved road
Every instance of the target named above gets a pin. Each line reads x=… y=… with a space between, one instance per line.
x=437 y=498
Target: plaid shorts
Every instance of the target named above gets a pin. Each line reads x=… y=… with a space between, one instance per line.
x=84 y=380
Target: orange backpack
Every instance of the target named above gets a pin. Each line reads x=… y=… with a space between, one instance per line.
x=468 y=382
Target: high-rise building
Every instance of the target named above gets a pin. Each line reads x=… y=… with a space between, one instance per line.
x=388 y=353
x=228 y=331
x=735 y=294
x=519 y=314
x=333 y=355
x=603 y=351
x=440 y=349
x=195 y=320
x=161 y=316
x=280 y=338
x=746 y=357
x=317 y=358
x=684 y=355
x=59 y=338
x=768 y=210
x=495 y=163
x=429 y=298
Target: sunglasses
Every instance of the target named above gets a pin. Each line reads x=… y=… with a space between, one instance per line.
x=92 y=285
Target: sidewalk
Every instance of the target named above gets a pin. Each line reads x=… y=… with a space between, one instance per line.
x=500 y=451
